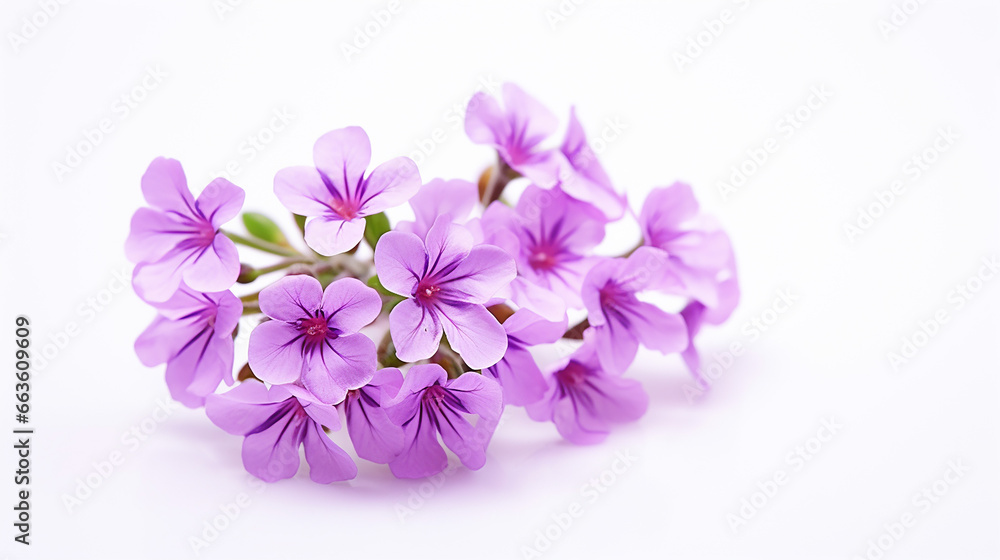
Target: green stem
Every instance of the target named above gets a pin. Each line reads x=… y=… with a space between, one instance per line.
x=261 y=245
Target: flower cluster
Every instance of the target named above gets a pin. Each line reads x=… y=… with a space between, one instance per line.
x=416 y=336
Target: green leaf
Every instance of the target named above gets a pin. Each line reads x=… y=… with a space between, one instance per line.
x=375 y=283
x=262 y=227
x=301 y=222
x=375 y=226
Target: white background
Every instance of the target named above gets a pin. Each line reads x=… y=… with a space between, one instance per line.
x=825 y=357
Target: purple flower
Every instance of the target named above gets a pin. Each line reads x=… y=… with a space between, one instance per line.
x=516 y=130
x=619 y=321
x=549 y=234
x=312 y=343
x=193 y=335
x=337 y=196
x=583 y=400
x=374 y=436
x=453 y=200
x=446 y=281
x=275 y=424
x=178 y=239
x=699 y=252
x=581 y=175
x=518 y=374
x=429 y=403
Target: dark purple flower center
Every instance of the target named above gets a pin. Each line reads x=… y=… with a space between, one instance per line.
x=435 y=394
x=426 y=292
x=543 y=258
x=316 y=329
x=572 y=375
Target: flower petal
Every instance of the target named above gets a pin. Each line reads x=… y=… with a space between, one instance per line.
x=447 y=244
x=329 y=235
x=485 y=122
x=220 y=202
x=242 y=409
x=164 y=338
x=415 y=330
x=389 y=185
x=374 y=436
x=291 y=298
x=347 y=362
x=658 y=330
x=474 y=333
x=327 y=462
x=350 y=305
x=165 y=187
x=153 y=234
x=616 y=345
x=273 y=453
x=275 y=352
x=400 y=260
x=158 y=281
x=302 y=191
x=479 y=275
x=531 y=122
x=422 y=455
x=216 y=268
x=519 y=376
x=342 y=156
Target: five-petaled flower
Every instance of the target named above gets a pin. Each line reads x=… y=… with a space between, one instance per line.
x=428 y=404
x=584 y=400
x=178 y=239
x=274 y=424
x=619 y=321
x=550 y=236
x=446 y=281
x=336 y=195
x=312 y=344
x=193 y=335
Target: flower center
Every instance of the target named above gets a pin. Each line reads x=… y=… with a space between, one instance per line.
x=542 y=258
x=315 y=328
x=426 y=292
x=573 y=374
x=344 y=208
x=434 y=394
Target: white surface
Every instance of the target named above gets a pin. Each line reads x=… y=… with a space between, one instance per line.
x=825 y=357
